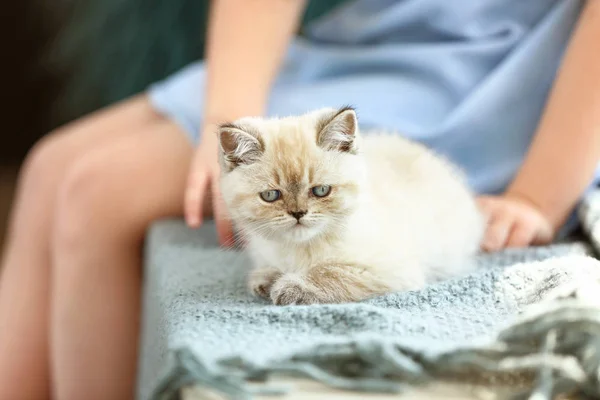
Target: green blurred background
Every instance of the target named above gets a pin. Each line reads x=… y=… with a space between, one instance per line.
x=115 y=48
x=71 y=57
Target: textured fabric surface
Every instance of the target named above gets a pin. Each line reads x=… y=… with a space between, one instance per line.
x=467 y=78
x=197 y=313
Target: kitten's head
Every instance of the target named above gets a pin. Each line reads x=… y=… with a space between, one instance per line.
x=294 y=178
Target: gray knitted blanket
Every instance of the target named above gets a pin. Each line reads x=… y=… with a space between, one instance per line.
x=531 y=313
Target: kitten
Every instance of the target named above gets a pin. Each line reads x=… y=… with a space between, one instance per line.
x=330 y=216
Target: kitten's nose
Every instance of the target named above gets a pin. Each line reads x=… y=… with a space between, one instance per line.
x=297 y=214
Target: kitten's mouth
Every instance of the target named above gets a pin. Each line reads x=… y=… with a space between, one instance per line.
x=301 y=231
x=300 y=226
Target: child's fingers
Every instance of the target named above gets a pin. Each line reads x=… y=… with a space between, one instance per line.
x=497 y=232
x=222 y=221
x=225 y=233
x=522 y=235
x=194 y=197
x=544 y=235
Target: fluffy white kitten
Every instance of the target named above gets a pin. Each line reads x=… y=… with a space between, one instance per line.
x=330 y=216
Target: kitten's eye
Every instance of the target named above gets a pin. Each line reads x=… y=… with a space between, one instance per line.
x=321 y=191
x=270 y=195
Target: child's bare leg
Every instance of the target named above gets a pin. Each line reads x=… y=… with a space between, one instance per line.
x=24 y=283
x=104 y=207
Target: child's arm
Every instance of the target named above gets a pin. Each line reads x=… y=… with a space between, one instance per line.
x=247 y=41
x=565 y=151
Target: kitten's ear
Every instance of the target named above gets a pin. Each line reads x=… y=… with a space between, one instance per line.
x=239 y=145
x=337 y=131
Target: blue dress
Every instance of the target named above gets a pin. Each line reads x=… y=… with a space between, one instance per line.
x=469 y=78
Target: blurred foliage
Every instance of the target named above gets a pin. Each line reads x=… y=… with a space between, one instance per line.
x=111 y=49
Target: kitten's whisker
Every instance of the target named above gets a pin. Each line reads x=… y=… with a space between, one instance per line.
x=257 y=229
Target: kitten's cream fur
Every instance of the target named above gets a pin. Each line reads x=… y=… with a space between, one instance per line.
x=397 y=217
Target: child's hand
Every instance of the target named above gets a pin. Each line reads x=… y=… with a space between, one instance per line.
x=513 y=222
x=203 y=178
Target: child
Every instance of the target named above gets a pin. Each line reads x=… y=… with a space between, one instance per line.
x=470 y=79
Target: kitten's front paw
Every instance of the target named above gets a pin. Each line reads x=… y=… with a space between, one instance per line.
x=290 y=290
x=261 y=281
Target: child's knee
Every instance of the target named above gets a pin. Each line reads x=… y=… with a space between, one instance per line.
x=82 y=197
x=45 y=162
x=92 y=204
